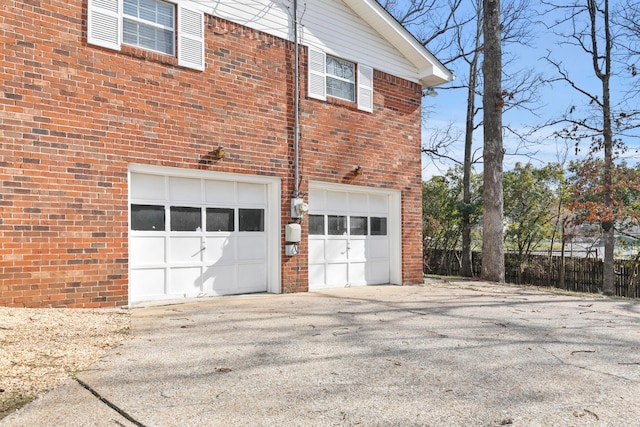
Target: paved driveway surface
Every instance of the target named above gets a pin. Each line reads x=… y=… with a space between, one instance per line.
x=438 y=354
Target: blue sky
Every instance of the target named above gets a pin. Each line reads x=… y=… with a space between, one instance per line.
x=450 y=106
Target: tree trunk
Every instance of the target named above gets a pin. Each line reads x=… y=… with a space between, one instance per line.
x=493 y=152
x=608 y=276
x=466 y=265
x=563 y=284
x=604 y=76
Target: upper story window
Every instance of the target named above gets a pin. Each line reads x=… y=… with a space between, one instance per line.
x=341 y=78
x=169 y=27
x=149 y=24
x=338 y=78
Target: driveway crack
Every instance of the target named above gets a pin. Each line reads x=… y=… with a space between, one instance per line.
x=109 y=404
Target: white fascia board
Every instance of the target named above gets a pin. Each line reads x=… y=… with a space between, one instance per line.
x=431 y=72
x=433 y=76
x=200 y=6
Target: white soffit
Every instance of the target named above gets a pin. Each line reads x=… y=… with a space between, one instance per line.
x=431 y=72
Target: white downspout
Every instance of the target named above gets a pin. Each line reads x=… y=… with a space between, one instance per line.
x=296 y=106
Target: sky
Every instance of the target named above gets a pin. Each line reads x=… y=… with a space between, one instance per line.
x=450 y=105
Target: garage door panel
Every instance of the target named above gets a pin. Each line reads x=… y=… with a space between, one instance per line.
x=357 y=249
x=317 y=200
x=336 y=201
x=316 y=250
x=251 y=246
x=336 y=250
x=316 y=275
x=185 y=249
x=357 y=273
x=251 y=277
x=378 y=247
x=378 y=204
x=185 y=281
x=220 y=249
x=147 y=187
x=358 y=204
x=221 y=193
x=185 y=190
x=219 y=279
x=148 y=283
x=147 y=250
x=251 y=194
x=378 y=272
x=337 y=274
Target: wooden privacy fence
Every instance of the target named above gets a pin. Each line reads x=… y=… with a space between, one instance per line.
x=580 y=274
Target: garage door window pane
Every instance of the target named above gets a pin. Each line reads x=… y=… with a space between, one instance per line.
x=378 y=226
x=219 y=219
x=186 y=219
x=337 y=225
x=251 y=219
x=147 y=217
x=316 y=225
x=358 y=226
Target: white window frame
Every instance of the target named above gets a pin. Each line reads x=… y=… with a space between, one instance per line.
x=105 y=23
x=155 y=25
x=317 y=80
x=331 y=76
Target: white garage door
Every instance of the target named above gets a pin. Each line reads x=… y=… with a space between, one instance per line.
x=193 y=236
x=353 y=237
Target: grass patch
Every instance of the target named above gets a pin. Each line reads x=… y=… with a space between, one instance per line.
x=12 y=402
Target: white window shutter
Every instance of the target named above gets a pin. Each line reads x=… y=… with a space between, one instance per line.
x=365 y=88
x=104 y=18
x=317 y=74
x=190 y=38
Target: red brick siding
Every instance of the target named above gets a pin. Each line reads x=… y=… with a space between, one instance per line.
x=74 y=116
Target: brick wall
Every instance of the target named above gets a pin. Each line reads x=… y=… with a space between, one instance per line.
x=74 y=116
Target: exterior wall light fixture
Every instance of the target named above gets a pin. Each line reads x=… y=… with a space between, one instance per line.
x=219 y=153
x=431 y=92
x=358 y=171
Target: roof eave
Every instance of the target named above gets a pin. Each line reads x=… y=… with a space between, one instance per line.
x=431 y=72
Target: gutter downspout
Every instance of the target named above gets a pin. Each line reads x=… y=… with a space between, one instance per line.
x=296 y=106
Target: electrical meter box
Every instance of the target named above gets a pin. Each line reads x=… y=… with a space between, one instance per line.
x=298 y=208
x=292 y=233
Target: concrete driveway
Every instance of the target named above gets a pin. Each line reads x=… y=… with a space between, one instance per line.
x=439 y=354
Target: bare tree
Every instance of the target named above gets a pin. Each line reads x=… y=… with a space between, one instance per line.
x=630 y=24
x=466 y=261
x=588 y=27
x=472 y=60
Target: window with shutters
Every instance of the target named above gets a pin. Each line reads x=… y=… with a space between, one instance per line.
x=330 y=76
x=168 y=27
